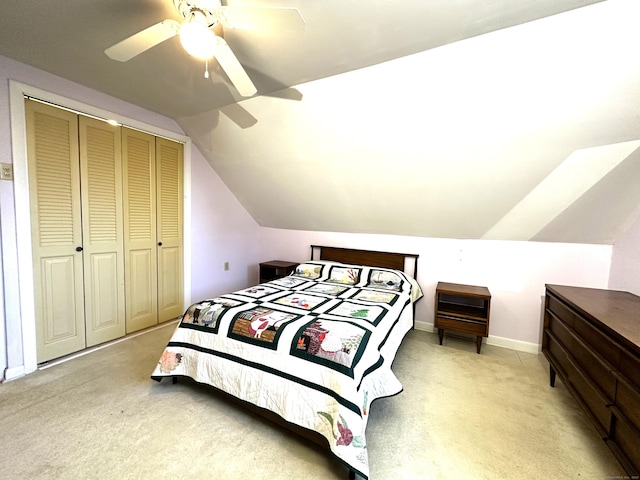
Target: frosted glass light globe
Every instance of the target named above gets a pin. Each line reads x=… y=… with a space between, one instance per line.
x=198 y=40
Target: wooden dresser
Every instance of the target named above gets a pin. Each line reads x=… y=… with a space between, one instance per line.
x=591 y=338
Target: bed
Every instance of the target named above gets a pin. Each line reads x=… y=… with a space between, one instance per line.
x=311 y=350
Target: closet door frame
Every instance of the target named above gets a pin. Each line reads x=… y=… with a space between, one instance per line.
x=21 y=305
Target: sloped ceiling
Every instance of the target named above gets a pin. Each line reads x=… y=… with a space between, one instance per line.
x=527 y=133
x=492 y=119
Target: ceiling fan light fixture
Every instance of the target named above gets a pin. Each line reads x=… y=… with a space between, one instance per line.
x=198 y=39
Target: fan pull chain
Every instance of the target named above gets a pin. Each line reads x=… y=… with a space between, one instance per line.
x=206 y=68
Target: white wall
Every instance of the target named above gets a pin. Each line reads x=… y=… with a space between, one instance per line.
x=625 y=261
x=514 y=272
x=222 y=230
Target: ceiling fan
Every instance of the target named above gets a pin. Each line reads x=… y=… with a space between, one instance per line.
x=202 y=19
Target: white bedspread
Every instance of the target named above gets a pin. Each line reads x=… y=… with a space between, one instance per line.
x=315 y=347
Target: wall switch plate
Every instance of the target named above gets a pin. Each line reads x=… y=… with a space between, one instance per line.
x=226 y=266
x=6 y=171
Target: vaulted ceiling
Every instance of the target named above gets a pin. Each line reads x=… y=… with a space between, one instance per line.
x=446 y=118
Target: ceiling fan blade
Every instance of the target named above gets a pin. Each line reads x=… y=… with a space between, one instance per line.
x=253 y=18
x=143 y=40
x=231 y=66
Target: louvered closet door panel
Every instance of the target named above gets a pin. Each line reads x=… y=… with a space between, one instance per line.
x=169 y=161
x=101 y=183
x=140 y=229
x=54 y=189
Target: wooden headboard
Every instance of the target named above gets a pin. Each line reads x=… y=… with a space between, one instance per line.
x=370 y=258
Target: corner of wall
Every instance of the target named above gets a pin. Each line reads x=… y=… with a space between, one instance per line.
x=624 y=273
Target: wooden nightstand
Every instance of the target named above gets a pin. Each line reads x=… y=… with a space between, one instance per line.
x=464 y=309
x=276 y=269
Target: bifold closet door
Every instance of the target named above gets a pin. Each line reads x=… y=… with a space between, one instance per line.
x=75 y=185
x=102 y=230
x=169 y=162
x=106 y=218
x=141 y=274
x=153 y=228
x=56 y=229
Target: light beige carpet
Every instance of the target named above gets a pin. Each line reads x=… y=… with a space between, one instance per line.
x=461 y=415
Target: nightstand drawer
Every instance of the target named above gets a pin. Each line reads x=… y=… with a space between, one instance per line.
x=462 y=325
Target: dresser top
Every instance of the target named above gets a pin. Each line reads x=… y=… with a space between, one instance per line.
x=616 y=312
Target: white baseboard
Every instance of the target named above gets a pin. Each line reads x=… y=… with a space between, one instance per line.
x=86 y=351
x=518 y=345
x=17 y=372
x=503 y=342
x=13 y=373
x=425 y=327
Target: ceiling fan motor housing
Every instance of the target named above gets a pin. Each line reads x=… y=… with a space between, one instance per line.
x=206 y=8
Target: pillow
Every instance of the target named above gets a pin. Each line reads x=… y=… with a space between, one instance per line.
x=366 y=276
x=308 y=270
x=387 y=279
x=344 y=275
x=394 y=280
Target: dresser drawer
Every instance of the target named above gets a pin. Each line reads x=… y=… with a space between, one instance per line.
x=627 y=438
x=597 y=340
x=595 y=369
x=629 y=367
x=560 y=330
x=588 y=394
x=557 y=356
x=582 y=354
x=628 y=401
x=462 y=325
x=596 y=404
x=560 y=310
x=628 y=393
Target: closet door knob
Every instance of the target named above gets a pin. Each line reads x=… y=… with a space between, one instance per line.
x=159 y=244
x=78 y=249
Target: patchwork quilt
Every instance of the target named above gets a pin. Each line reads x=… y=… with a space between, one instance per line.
x=315 y=347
